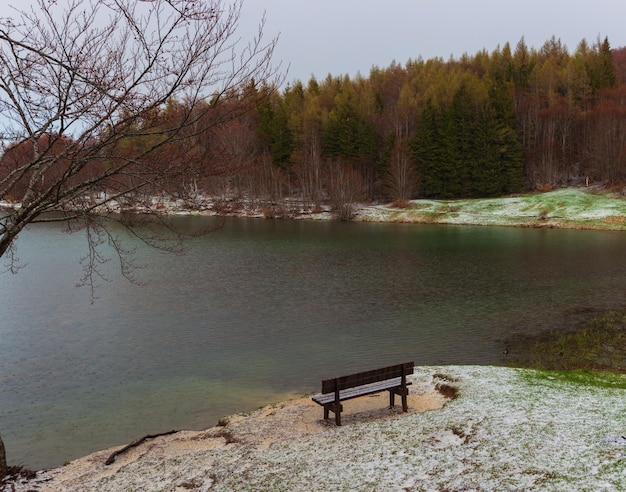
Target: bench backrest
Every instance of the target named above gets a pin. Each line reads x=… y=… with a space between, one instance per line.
x=367 y=377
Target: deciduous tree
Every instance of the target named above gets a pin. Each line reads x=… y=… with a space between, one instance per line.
x=84 y=89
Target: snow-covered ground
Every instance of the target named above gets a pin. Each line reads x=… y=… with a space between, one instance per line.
x=508 y=429
x=583 y=208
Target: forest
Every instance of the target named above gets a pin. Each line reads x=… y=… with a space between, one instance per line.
x=489 y=124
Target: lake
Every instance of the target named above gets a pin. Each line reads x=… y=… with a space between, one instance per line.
x=262 y=310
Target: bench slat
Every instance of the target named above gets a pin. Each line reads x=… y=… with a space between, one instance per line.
x=367 y=389
x=367 y=377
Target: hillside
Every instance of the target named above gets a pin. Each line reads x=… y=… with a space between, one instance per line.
x=578 y=208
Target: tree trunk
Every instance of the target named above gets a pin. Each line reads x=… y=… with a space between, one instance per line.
x=3 y=461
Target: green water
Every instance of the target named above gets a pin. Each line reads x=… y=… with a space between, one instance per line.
x=263 y=309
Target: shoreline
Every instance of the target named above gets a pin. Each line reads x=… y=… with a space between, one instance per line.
x=592 y=208
x=291 y=419
x=508 y=429
x=567 y=208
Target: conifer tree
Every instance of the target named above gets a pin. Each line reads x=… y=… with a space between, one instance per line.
x=601 y=68
x=273 y=131
x=347 y=134
x=429 y=153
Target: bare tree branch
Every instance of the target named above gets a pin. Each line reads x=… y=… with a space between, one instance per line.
x=84 y=86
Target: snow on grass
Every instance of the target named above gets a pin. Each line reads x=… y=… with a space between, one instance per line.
x=509 y=429
x=569 y=207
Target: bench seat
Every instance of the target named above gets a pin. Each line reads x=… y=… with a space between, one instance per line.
x=366 y=389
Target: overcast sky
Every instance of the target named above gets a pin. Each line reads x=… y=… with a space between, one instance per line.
x=318 y=37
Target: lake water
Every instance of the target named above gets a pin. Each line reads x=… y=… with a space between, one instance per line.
x=261 y=310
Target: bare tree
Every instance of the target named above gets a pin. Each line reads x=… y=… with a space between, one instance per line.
x=309 y=167
x=401 y=178
x=347 y=188
x=83 y=87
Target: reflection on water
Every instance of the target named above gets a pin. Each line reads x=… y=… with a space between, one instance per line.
x=262 y=308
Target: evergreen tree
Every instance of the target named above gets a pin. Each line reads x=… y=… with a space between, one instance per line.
x=347 y=134
x=505 y=141
x=429 y=152
x=471 y=148
x=273 y=132
x=600 y=68
x=496 y=165
x=460 y=142
x=523 y=64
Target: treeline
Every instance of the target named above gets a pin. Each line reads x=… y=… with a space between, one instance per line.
x=482 y=125
x=494 y=123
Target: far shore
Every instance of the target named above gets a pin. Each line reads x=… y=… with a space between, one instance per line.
x=586 y=208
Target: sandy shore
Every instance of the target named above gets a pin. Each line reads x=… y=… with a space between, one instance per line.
x=183 y=451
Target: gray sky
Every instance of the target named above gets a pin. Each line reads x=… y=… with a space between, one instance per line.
x=318 y=37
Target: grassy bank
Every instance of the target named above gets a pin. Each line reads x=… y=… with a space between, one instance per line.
x=596 y=341
x=579 y=208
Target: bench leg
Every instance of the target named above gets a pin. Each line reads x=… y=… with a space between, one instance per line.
x=403 y=392
x=336 y=409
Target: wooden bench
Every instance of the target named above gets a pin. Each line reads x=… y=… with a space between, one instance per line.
x=392 y=379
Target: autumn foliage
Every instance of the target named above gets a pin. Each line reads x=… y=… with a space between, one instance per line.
x=484 y=125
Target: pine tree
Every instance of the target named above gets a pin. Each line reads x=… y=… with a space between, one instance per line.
x=461 y=133
x=505 y=141
x=600 y=66
x=273 y=132
x=428 y=152
x=607 y=75
x=347 y=134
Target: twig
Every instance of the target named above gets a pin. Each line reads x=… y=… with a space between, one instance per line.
x=136 y=443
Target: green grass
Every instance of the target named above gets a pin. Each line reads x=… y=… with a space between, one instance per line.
x=582 y=377
x=596 y=342
x=569 y=207
x=599 y=344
